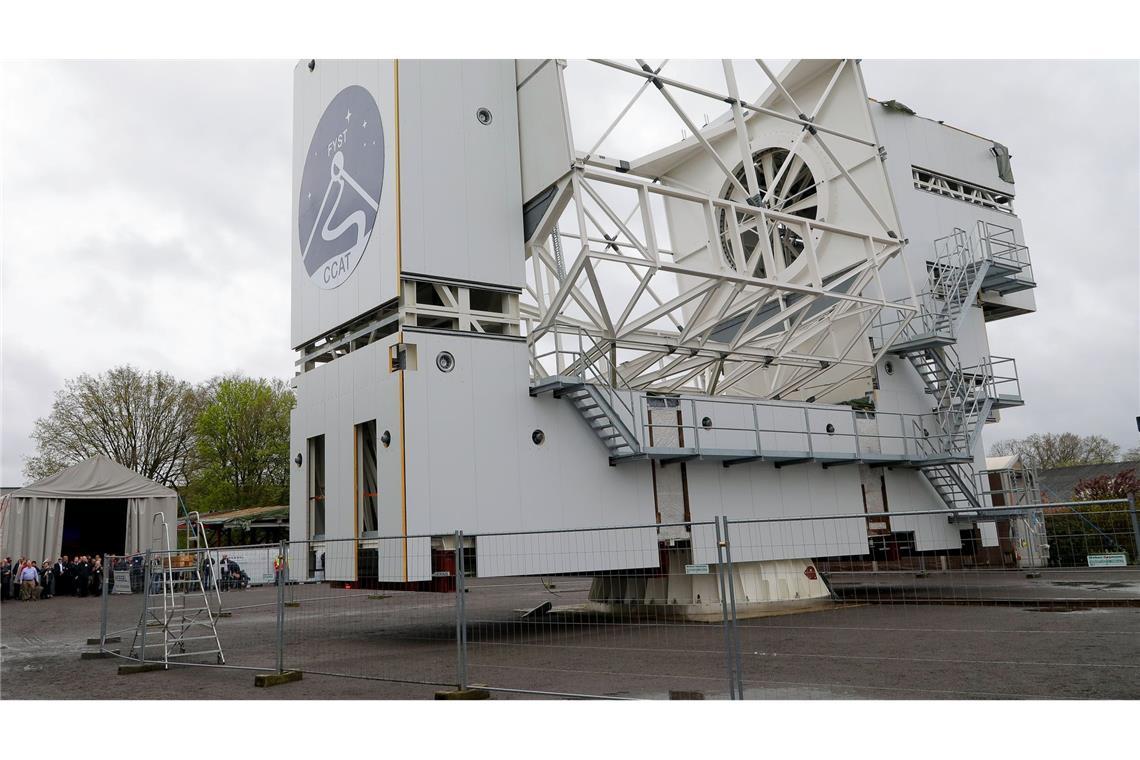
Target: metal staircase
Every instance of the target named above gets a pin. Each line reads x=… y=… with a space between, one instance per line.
x=955 y=484
x=177 y=619
x=953 y=282
x=962 y=396
x=597 y=405
x=595 y=408
x=588 y=382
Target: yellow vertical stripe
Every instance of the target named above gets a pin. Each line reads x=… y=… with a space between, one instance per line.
x=400 y=338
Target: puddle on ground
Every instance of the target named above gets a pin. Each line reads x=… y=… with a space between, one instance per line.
x=1075 y=608
x=1100 y=585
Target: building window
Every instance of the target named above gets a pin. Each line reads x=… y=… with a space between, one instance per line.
x=317 y=487
x=940 y=184
x=366 y=489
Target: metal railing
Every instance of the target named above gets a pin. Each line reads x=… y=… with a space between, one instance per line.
x=1002 y=378
x=814 y=429
x=999 y=244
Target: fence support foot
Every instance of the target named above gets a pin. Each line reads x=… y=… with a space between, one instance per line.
x=292 y=604
x=98 y=655
x=463 y=694
x=275 y=679
x=142 y=667
x=109 y=640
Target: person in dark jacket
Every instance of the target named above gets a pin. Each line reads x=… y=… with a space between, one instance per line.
x=47 y=579
x=68 y=576
x=6 y=579
x=97 y=576
x=58 y=568
x=82 y=577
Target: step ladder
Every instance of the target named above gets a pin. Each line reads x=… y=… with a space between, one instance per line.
x=177 y=619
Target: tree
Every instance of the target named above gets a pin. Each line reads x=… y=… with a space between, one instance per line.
x=242 y=444
x=1049 y=450
x=144 y=421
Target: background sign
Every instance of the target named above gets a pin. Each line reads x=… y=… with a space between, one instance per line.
x=122 y=582
x=1108 y=560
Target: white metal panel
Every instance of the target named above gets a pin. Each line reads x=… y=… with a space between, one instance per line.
x=759 y=490
x=909 y=491
x=460 y=187
x=915 y=141
x=545 y=143
x=567 y=552
x=374 y=281
x=331 y=400
x=391 y=553
x=472 y=465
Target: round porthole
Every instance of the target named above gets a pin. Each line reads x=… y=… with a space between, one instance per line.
x=483 y=116
x=385 y=438
x=706 y=423
x=830 y=429
x=889 y=368
x=538 y=437
x=445 y=361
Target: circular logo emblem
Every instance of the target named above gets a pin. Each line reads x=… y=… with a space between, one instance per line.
x=340 y=187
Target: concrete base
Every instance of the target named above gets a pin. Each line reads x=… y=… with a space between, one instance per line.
x=142 y=667
x=276 y=679
x=110 y=640
x=692 y=613
x=772 y=587
x=464 y=694
x=292 y=604
x=97 y=655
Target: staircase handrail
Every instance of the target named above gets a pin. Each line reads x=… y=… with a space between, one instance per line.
x=588 y=360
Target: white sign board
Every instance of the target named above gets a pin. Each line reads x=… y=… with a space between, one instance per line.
x=696 y=569
x=122 y=582
x=1108 y=560
x=256 y=562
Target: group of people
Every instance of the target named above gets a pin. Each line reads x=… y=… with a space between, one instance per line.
x=28 y=580
x=229 y=574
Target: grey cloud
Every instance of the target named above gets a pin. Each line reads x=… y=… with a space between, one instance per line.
x=147 y=213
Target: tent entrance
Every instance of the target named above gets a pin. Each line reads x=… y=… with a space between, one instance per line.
x=94 y=526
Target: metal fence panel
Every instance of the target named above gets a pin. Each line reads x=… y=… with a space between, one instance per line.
x=1038 y=614
x=348 y=611
x=656 y=631
x=1045 y=604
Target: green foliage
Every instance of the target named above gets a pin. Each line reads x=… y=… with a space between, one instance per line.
x=242 y=445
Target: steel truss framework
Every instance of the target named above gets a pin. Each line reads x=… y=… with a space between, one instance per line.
x=607 y=289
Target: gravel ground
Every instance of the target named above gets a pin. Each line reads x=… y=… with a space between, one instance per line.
x=1048 y=637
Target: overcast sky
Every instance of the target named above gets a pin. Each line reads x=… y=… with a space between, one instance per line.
x=146 y=211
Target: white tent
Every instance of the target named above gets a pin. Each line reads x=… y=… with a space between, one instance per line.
x=32 y=518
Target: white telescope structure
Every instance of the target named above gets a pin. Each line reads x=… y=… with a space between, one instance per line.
x=542 y=295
